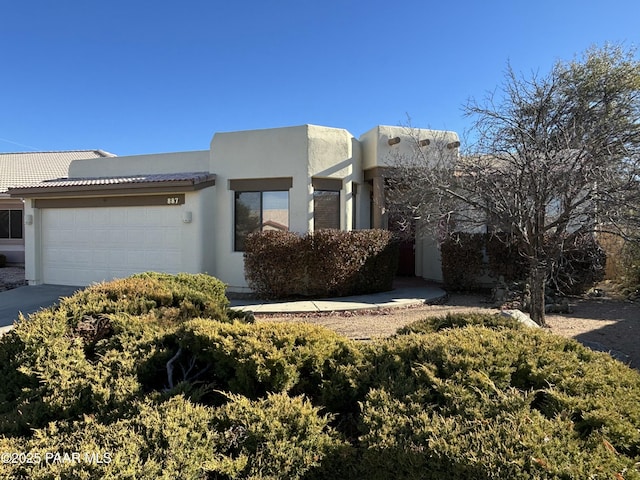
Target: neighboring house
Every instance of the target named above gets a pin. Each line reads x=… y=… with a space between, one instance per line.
x=20 y=169
x=191 y=211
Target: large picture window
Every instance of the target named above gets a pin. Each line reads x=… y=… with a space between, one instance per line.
x=259 y=211
x=11 y=224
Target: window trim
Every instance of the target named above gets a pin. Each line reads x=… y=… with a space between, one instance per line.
x=272 y=184
x=327 y=184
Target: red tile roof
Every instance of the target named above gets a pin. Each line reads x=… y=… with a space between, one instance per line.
x=105 y=185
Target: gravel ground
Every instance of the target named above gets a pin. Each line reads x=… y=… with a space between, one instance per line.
x=11 y=277
x=605 y=323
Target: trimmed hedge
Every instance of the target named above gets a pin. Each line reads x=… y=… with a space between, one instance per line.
x=320 y=264
x=462 y=261
x=162 y=396
x=467 y=256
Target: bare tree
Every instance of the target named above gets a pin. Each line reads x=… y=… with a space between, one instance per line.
x=553 y=156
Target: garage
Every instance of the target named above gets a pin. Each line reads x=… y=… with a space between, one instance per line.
x=85 y=245
x=82 y=231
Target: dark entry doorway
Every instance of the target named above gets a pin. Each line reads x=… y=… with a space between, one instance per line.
x=405 y=230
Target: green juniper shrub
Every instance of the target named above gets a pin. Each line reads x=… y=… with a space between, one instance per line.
x=458 y=320
x=256 y=359
x=174 y=297
x=274 y=437
x=85 y=355
x=171 y=397
x=47 y=374
x=53 y=373
x=475 y=402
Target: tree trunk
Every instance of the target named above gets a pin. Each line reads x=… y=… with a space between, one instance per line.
x=537 y=282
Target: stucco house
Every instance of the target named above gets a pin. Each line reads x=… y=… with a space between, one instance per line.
x=190 y=211
x=23 y=168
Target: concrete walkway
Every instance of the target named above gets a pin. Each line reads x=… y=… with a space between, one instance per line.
x=406 y=293
x=29 y=299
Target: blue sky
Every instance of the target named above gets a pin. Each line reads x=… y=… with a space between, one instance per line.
x=139 y=76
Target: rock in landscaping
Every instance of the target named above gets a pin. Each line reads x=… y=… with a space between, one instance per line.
x=520 y=317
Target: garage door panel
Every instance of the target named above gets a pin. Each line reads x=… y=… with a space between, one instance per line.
x=141 y=235
x=86 y=245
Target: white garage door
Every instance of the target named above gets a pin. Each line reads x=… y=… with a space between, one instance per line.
x=85 y=245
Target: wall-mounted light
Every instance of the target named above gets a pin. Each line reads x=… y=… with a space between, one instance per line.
x=187 y=217
x=425 y=142
x=393 y=141
x=28 y=219
x=452 y=145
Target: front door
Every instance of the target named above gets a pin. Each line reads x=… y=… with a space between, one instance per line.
x=405 y=229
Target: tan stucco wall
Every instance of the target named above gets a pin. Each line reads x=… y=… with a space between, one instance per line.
x=179 y=162
x=300 y=152
x=205 y=219
x=32 y=245
x=254 y=154
x=428 y=258
x=334 y=153
x=376 y=151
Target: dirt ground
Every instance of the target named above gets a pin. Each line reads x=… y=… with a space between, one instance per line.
x=607 y=322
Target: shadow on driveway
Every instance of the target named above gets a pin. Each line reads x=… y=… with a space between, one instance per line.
x=605 y=324
x=30 y=299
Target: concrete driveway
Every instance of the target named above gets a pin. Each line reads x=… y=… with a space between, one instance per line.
x=29 y=299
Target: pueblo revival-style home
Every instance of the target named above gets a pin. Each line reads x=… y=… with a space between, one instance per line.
x=110 y=217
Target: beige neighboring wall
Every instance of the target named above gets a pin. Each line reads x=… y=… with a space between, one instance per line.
x=299 y=153
x=195 y=161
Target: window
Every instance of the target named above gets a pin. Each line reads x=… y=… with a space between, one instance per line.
x=326 y=209
x=11 y=224
x=326 y=202
x=259 y=211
